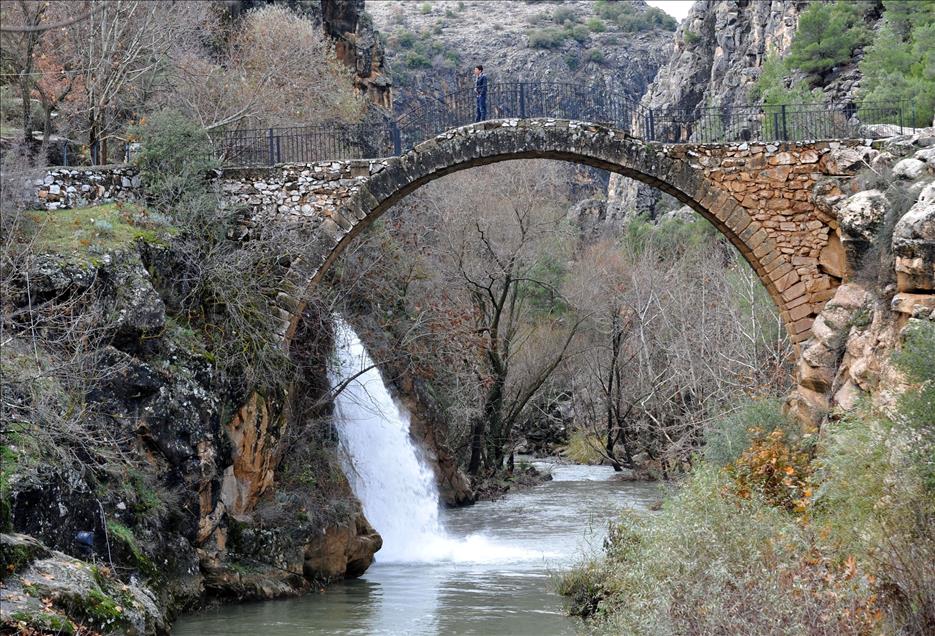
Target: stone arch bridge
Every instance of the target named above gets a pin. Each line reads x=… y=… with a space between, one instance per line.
x=771 y=200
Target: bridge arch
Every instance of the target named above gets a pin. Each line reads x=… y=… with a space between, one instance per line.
x=677 y=170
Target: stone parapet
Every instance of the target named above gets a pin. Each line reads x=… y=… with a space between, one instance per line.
x=67 y=188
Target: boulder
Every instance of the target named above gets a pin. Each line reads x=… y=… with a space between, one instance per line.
x=345 y=549
x=910 y=168
x=52 y=591
x=846 y=160
x=914 y=245
x=860 y=214
x=927 y=155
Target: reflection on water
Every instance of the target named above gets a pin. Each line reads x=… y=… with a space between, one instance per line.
x=500 y=581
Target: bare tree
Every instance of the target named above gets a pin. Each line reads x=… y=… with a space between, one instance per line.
x=676 y=335
x=116 y=56
x=19 y=49
x=276 y=68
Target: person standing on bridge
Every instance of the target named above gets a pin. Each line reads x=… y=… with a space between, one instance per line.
x=480 y=91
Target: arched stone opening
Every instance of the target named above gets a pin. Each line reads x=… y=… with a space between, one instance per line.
x=780 y=242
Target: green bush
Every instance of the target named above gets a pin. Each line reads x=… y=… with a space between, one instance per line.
x=900 y=63
x=564 y=15
x=405 y=39
x=826 y=37
x=596 y=56
x=713 y=564
x=876 y=498
x=728 y=437
x=596 y=25
x=174 y=161
x=624 y=15
x=425 y=8
x=770 y=88
x=451 y=60
x=692 y=38
x=549 y=38
x=579 y=33
x=916 y=360
x=415 y=59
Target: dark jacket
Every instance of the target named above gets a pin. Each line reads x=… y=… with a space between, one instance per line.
x=480 y=85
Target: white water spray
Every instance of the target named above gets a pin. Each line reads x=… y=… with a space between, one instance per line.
x=388 y=475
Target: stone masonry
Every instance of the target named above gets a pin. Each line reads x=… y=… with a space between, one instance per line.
x=773 y=201
x=65 y=188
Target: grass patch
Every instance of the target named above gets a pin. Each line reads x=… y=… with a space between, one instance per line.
x=583 y=448
x=124 y=535
x=100 y=227
x=43 y=621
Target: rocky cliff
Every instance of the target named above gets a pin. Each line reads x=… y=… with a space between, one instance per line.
x=716 y=57
x=887 y=228
x=142 y=457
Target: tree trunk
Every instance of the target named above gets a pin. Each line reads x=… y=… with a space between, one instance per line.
x=477 y=445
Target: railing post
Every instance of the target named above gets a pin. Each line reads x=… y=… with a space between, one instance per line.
x=270 y=141
x=397 y=140
x=899 y=109
x=652 y=127
x=522 y=100
x=278 y=149
x=776 y=128
x=785 y=133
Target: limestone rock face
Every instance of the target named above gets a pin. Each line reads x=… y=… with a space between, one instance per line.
x=718 y=51
x=861 y=213
x=253 y=433
x=345 y=550
x=914 y=245
x=205 y=453
x=848 y=357
x=358 y=47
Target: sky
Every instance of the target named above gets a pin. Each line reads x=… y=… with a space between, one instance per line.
x=676 y=8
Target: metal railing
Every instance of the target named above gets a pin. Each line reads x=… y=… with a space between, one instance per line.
x=301 y=144
x=724 y=124
x=780 y=122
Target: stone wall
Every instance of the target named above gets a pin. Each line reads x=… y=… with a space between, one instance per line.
x=303 y=193
x=67 y=188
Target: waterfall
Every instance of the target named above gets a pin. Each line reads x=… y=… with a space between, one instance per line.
x=387 y=472
x=394 y=484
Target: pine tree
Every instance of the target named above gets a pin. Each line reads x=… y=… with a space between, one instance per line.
x=826 y=37
x=900 y=64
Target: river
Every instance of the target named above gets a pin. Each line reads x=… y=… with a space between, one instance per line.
x=502 y=586
x=484 y=569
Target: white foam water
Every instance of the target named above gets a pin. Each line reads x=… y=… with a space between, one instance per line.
x=389 y=476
